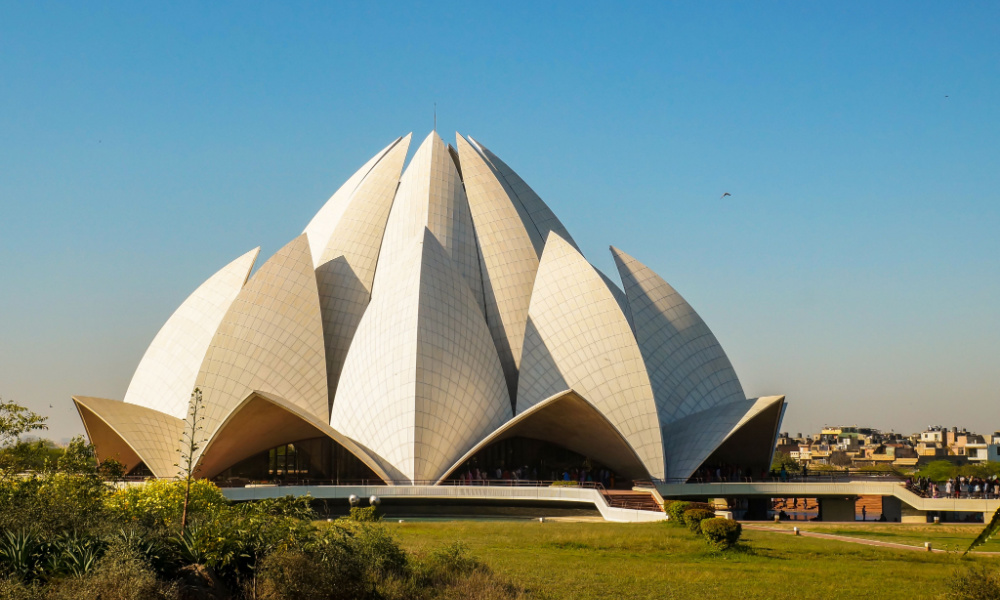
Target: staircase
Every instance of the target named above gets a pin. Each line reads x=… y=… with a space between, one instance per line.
x=633 y=499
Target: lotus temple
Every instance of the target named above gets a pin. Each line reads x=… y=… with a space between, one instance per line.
x=435 y=325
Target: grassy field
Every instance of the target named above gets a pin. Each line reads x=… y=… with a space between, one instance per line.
x=609 y=560
x=954 y=537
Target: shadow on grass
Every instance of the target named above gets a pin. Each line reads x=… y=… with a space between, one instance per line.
x=568 y=545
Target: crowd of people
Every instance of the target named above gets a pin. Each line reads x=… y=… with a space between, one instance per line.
x=723 y=473
x=960 y=487
x=475 y=475
x=730 y=473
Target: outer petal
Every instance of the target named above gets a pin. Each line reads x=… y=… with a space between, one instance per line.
x=577 y=329
x=693 y=439
x=422 y=382
x=132 y=434
x=165 y=377
x=271 y=340
x=687 y=366
x=321 y=227
x=346 y=271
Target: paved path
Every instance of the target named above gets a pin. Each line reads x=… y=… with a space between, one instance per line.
x=862 y=541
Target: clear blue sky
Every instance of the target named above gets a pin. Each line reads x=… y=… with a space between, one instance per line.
x=854 y=268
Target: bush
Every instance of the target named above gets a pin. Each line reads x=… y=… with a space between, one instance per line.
x=53 y=501
x=676 y=511
x=975 y=583
x=160 y=502
x=721 y=533
x=367 y=514
x=118 y=575
x=324 y=570
x=694 y=516
x=378 y=550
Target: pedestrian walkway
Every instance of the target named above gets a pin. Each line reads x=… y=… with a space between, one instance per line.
x=854 y=540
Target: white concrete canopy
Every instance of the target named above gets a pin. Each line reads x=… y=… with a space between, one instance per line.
x=132 y=434
x=568 y=420
x=263 y=421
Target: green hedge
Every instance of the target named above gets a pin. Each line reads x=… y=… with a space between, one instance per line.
x=694 y=516
x=676 y=511
x=721 y=533
x=677 y=508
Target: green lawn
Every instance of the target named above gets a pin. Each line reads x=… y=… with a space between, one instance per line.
x=945 y=536
x=611 y=560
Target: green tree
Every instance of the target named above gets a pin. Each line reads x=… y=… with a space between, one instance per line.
x=78 y=458
x=16 y=455
x=16 y=420
x=111 y=470
x=784 y=459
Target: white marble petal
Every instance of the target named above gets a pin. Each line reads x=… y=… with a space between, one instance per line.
x=165 y=377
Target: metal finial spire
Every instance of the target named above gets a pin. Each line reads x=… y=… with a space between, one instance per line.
x=435 y=116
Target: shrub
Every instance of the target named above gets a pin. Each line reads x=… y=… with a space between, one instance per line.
x=975 y=583
x=694 y=516
x=367 y=514
x=721 y=533
x=321 y=572
x=676 y=511
x=159 y=502
x=378 y=550
x=52 y=501
x=118 y=575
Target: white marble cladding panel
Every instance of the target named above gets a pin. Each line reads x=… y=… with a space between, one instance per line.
x=540 y=214
x=165 y=377
x=271 y=340
x=322 y=225
x=509 y=258
x=578 y=338
x=347 y=270
x=687 y=366
x=153 y=435
x=422 y=383
x=431 y=196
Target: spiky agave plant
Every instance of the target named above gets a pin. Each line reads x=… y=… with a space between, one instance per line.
x=984 y=536
x=190 y=444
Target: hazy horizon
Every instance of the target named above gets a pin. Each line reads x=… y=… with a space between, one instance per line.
x=853 y=268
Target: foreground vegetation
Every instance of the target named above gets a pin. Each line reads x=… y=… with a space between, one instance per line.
x=70 y=537
x=69 y=532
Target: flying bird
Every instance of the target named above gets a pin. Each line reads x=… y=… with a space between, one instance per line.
x=724 y=195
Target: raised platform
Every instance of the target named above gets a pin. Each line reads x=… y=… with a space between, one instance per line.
x=558 y=497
